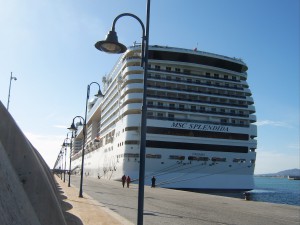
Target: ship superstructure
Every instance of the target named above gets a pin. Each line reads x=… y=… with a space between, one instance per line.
x=200 y=121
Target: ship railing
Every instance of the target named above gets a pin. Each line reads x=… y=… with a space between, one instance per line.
x=195 y=121
x=168 y=72
x=201 y=52
x=197 y=111
x=197 y=101
x=196 y=91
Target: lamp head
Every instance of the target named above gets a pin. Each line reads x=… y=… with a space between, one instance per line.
x=99 y=94
x=72 y=127
x=111 y=44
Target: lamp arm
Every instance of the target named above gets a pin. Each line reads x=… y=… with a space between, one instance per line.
x=131 y=15
x=144 y=38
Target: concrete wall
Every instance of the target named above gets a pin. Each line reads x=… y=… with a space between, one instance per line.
x=28 y=194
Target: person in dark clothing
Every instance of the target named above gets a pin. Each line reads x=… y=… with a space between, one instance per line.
x=123 y=180
x=128 y=181
x=153 y=182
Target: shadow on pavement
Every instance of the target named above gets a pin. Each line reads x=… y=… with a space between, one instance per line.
x=70 y=218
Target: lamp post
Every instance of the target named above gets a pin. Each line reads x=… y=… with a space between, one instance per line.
x=11 y=78
x=65 y=145
x=61 y=163
x=70 y=168
x=99 y=94
x=111 y=45
x=74 y=128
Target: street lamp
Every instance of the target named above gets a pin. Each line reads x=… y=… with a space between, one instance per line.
x=65 y=144
x=70 y=168
x=11 y=78
x=74 y=128
x=99 y=94
x=111 y=45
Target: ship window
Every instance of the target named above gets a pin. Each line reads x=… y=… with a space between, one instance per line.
x=131 y=128
x=157 y=76
x=192 y=158
x=150 y=103
x=203 y=158
x=226 y=77
x=160 y=114
x=181 y=107
x=217 y=159
x=239 y=160
x=169 y=78
x=177 y=70
x=153 y=156
x=160 y=104
x=168 y=68
x=171 y=115
x=131 y=155
x=177 y=157
x=172 y=106
x=186 y=71
x=131 y=142
x=207 y=74
x=157 y=67
x=223 y=120
x=216 y=75
x=198 y=158
x=193 y=108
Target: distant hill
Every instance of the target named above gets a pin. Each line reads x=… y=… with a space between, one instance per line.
x=284 y=173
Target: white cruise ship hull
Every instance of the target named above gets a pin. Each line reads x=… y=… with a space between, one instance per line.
x=201 y=132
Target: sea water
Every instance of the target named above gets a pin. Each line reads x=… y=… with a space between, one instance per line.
x=276 y=190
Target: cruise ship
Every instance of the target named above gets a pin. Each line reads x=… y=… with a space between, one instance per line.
x=201 y=132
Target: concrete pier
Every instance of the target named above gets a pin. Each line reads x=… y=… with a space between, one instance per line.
x=165 y=206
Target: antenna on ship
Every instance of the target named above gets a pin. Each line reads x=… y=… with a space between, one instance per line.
x=196 y=49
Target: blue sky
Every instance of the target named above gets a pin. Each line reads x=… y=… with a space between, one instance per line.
x=49 y=47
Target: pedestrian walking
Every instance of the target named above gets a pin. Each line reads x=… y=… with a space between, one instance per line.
x=153 y=182
x=128 y=181
x=123 y=180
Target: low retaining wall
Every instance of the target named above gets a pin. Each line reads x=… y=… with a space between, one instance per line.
x=28 y=194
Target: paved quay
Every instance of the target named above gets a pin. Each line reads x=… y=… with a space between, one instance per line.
x=165 y=206
x=85 y=211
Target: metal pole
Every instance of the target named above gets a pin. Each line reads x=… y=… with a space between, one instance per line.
x=65 y=164
x=143 y=124
x=11 y=77
x=84 y=133
x=69 y=183
x=61 y=163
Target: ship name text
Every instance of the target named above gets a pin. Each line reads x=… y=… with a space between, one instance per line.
x=196 y=126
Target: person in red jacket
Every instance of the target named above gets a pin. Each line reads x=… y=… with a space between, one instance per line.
x=128 y=181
